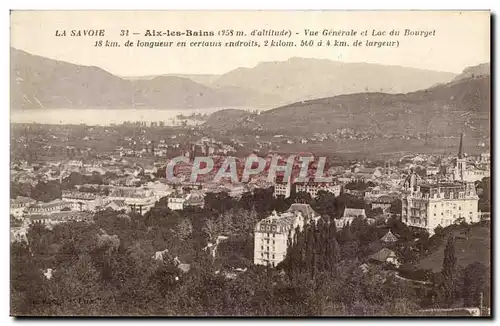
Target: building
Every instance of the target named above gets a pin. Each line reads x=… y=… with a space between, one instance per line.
x=313 y=188
x=427 y=206
x=384 y=203
x=272 y=233
x=19 y=234
x=389 y=237
x=116 y=205
x=385 y=256
x=138 y=199
x=283 y=188
x=176 y=202
x=48 y=208
x=75 y=163
x=83 y=201
x=59 y=217
x=432 y=170
x=349 y=215
x=179 y=201
x=19 y=205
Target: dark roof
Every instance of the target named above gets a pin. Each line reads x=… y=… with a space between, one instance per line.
x=305 y=209
x=383 y=254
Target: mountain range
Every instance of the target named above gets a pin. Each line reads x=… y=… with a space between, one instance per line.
x=38 y=83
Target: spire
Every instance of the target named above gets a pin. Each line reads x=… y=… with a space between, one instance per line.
x=461 y=147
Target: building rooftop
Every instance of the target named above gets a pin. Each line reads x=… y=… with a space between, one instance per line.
x=305 y=209
x=354 y=212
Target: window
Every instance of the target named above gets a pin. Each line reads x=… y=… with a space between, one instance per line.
x=273 y=256
x=261 y=247
x=274 y=242
x=268 y=248
x=274 y=227
x=262 y=254
x=267 y=240
x=274 y=235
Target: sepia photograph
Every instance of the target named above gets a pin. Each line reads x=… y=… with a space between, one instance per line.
x=291 y=163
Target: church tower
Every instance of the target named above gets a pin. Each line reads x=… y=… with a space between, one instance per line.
x=461 y=162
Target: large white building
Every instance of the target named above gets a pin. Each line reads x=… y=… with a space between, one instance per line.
x=283 y=188
x=313 y=188
x=83 y=201
x=271 y=234
x=138 y=199
x=427 y=206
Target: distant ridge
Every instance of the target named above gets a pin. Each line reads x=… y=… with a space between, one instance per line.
x=300 y=79
x=42 y=83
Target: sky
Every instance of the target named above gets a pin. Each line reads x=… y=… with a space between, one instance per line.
x=461 y=39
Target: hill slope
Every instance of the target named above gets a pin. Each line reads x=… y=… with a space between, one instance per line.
x=462 y=105
x=481 y=70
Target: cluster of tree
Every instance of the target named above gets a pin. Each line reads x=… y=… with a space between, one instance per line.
x=107 y=268
x=454 y=285
x=52 y=189
x=42 y=191
x=484 y=190
x=76 y=178
x=95 y=277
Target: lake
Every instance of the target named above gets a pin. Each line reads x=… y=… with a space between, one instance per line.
x=105 y=117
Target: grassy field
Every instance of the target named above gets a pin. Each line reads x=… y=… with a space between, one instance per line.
x=468 y=249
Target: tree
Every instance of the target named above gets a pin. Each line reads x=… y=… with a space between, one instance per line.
x=475 y=282
x=324 y=204
x=396 y=207
x=484 y=192
x=448 y=272
x=184 y=229
x=303 y=197
x=211 y=229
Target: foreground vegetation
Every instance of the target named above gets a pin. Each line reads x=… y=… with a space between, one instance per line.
x=108 y=267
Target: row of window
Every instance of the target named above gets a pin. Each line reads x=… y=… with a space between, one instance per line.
x=262 y=255
x=262 y=248
x=264 y=227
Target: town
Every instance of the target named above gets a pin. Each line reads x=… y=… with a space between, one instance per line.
x=96 y=202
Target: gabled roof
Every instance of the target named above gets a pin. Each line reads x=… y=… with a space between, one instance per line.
x=354 y=212
x=383 y=254
x=389 y=237
x=119 y=203
x=305 y=209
